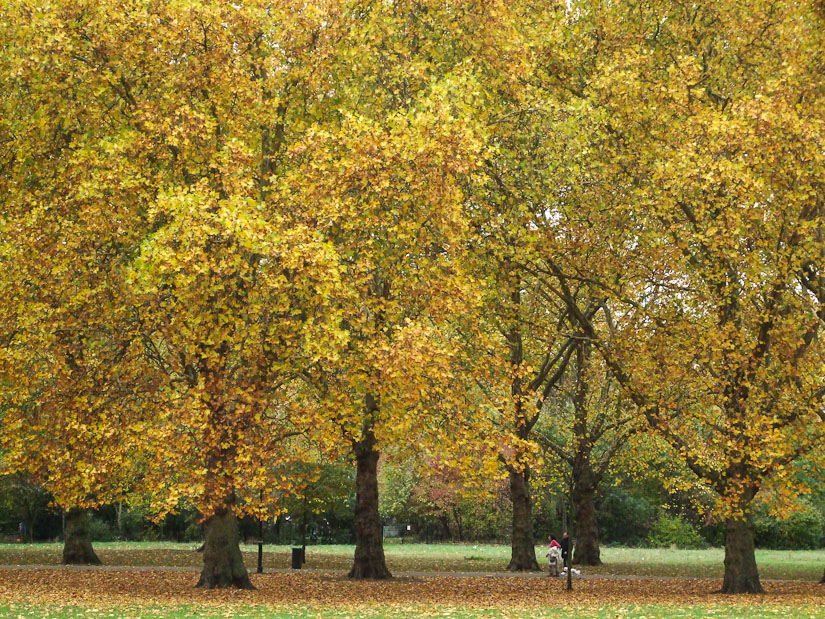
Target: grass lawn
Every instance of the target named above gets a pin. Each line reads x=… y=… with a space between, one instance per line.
x=419 y=589
x=773 y=564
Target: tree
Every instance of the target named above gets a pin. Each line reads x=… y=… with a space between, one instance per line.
x=529 y=361
x=590 y=426
x=77 y=547
x=385 y=174
x=716 y=240
x=528 y=132
x=148 y=265
x=394 y=247
x=66 y=341
x=234 y=299
x=443 y=501
x=537 y=354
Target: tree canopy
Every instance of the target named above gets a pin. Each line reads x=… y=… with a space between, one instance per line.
x=235 y=237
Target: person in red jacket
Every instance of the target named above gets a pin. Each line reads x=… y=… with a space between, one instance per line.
x=553 y=557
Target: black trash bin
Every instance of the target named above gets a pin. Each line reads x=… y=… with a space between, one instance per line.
x=297 y=558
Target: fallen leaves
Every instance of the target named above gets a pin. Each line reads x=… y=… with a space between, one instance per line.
x=109 y=588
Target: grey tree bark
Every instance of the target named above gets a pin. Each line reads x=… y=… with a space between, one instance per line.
x=223 y=565
x=523 y=546
x=77 y=543
x=369 y=561
x=741 y=573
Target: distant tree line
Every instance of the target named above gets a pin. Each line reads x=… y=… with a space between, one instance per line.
x=635 y=515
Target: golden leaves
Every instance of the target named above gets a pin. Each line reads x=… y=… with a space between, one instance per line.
x=111 y=588
x=225 y=226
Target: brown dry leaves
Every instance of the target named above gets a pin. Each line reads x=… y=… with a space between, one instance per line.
x=114 y=588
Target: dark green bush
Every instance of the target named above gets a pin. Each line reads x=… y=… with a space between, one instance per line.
x=624 y=518
x=765 y=530
x=100 y=530
x=802 y=530
x=135 y=523
x=675 y=531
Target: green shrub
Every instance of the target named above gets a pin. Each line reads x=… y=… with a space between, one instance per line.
x=623 y=518
x=193 y=533
x=803 y=530
x=765 y=529
x=134 y=523
x=675 y=531
x=100 y=531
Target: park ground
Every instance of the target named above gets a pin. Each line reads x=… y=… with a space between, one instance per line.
x=156 y=580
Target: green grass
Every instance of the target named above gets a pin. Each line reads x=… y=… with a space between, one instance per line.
x=263 y=611
x=708 y=563
x=773 y=564
x=800 y=565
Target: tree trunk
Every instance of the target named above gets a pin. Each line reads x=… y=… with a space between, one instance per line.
x=587 y=530
x=523 y=547
x=741 y=574
x=304 y=533
x=458 y=525
x=369 y=559
x=822 y=580
x=77 y=544
x=446 y=535
x=223 y=564
x=584 y=481
x=119 y=508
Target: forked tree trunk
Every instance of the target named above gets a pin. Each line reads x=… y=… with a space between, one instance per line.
x=523 y=546
x=77 y=544
x=369 y=559
x=587 y=530
x=741 y=574
x=223 y=564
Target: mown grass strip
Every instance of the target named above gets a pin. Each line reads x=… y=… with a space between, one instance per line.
x=803 y=565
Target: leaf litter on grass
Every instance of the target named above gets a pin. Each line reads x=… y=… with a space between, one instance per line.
x=270 y=612
x=105 y=590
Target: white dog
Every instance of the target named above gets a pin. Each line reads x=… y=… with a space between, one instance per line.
x=553 y=561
